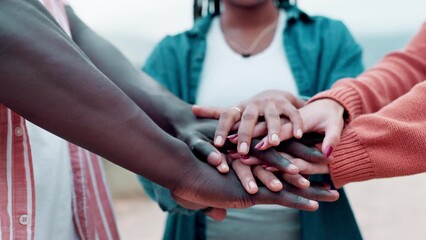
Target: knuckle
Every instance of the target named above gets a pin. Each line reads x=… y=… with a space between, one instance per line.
x=249 y=116
x=273 y=114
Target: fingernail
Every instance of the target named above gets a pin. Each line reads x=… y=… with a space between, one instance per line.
x=299 y=133
x=275 y=138
x=304 y=181
x=328 y=151
x=243 y=148
x=223 y=167
x=259 y=145
x=276 y=182
x=218 y=140
x=231 y=137
x=245 y=156
x=215 y=156
x=252 y=185
x=315 y=204
x=293 y=167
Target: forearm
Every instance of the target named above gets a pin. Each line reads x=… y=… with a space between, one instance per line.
x=394 y=76
x=162 y=106
x=48 y=81
x=388 y=143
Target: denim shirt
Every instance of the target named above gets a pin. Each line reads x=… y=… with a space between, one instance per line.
x=319 y=51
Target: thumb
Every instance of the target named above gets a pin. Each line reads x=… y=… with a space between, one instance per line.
x=218 y=214
x=207 y=112
x=205 y=151
x=331 y=138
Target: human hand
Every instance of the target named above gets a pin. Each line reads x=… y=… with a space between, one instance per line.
x=308 y=160
x=198 y=135
x=202 y=187
x=323 y=116
x=271 y=104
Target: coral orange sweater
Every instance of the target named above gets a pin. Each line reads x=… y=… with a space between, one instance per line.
x=386 y=131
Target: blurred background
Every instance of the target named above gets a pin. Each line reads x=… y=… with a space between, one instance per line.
x=385 y=209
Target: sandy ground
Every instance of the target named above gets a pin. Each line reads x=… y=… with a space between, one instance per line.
x=385 y=209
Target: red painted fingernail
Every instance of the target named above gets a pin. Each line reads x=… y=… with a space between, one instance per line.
x=328 y=151
x=245 y=156
x=233 y=136
x=259 y=145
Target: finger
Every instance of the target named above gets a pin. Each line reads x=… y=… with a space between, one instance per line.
x=273 y=122
x=203 y=150
x=250 y=161
x=286 y=198
x=286 y=131
x=207 y=112
x=299 y=150
x=260 y=130
x=310 y=168
x=227 y=119
x=246 y=177
x=297 y=180
x=296 y=119
x=267 y=178
x=314 y=192
x=223 y=166
x=298 y=103
x=218 y=214
x=274 y=159
x=245 y=132
x=332 y=137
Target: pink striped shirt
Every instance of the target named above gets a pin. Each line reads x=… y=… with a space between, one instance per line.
x=91 y=202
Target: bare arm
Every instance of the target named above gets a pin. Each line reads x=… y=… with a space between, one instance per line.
x=48 y=80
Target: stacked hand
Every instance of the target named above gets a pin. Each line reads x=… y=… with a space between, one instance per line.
x=283 y=172
x=206 y=188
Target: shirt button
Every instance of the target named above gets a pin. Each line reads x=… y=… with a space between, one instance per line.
x=19 y=132
x=23 y=219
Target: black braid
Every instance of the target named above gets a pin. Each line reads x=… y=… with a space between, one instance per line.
x=213 y=7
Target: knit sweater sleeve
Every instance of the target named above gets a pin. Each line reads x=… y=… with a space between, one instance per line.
x=394 y=76
x=387 y=118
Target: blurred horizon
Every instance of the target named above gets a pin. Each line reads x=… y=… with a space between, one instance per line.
x=135 y=26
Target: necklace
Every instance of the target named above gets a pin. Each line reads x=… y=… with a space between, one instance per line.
x=247 y=52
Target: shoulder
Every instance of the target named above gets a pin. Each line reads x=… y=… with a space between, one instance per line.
x=327 y=25
x=331 y=32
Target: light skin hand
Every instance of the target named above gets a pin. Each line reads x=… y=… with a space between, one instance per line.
x=249 y=168
x=323 y=116
x=309 y=159
x=271 y=104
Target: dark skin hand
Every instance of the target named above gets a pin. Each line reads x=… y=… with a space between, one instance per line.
x=49 y=80
x=176 y=118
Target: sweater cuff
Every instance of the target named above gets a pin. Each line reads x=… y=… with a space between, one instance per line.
x=351 y=161
x=345 y=96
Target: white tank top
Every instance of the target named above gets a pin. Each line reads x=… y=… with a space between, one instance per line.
x=228 y=78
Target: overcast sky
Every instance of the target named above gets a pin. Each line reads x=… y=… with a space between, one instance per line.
x=153 y=19
x=135 y=26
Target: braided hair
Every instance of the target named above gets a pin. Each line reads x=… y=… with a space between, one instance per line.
x=206 y=7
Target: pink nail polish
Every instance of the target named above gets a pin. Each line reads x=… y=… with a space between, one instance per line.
x=259 y=145
x=233 y=136
x=328 y=151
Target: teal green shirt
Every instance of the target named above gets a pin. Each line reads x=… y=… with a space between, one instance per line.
x=319 y=50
